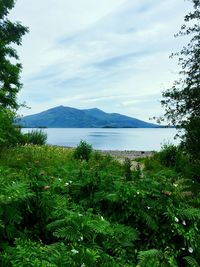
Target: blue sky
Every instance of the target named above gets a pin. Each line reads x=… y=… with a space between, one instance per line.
x=110 y=54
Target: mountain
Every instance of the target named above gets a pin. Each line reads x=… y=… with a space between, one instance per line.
x=67 y=117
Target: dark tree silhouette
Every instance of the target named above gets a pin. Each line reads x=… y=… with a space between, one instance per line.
x=182 y=101
x=10 y=34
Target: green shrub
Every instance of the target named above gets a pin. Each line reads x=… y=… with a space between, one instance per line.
x=58 y=211
x=168 y=155
x=152 y=163
x=127 y=169
x=83 y=151
x=36 y=137
x=191 y=140
x=10 y=135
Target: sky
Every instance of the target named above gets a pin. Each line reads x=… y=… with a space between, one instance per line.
x=109 y=54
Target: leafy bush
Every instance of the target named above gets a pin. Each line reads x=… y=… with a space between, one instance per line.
x=152 y=163
x=57 y=211
x=127 y=168
x=191 y=140
x=83 y=151
x=35 y=137
x=168 y=155
x=9 y=134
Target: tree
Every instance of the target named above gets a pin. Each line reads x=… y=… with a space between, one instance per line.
x=182 y=101
x=10 y=33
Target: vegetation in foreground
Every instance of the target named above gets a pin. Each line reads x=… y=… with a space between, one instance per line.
x=65 y=208
x=60 y=209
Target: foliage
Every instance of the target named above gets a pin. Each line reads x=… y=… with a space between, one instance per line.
x=168 y=155
x=35 y=137
x=192 y=136
x=9 y=135
x=127 y=168
x=151 y=257
x=191 y=262
x=10 y=34
x=83 y=151
x=182 y=101
x=57 y=211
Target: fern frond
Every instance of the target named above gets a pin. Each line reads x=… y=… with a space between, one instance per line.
x=190 y=213
x=68 y=233
x=146 y=218
x=99 y=227
x=150 y=257
x=191 y=261
x=112 y=197
x=125 y=233
x=17 y=191
x=58 y=223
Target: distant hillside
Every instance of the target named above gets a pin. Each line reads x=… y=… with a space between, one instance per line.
x=66 y=117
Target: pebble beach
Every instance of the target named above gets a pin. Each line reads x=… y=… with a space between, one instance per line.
x=128 y=153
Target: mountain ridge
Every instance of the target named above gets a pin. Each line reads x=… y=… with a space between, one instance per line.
x=68 y=117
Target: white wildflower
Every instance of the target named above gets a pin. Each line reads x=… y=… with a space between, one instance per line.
x=80 y=239
x=66 y=184
x=102 y=218
x=148 y=207
x=190 y=250
x=59 y=179
x=74 y=251
x=175 y=185
x=80 y=215
x=70 y=182
x=184 y=223
x=83 y=265
x=183 y=248
x=176 y=219
x=138 y=192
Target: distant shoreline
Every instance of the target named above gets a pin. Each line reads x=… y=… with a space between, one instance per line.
x=132 y=154
x=42 y=128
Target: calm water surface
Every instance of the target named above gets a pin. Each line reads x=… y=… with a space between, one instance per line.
x=111 y=139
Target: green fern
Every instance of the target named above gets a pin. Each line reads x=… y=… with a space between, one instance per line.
x=191 y=261
x=150 y=257
x=190 y=213
x=146 y=218
x=98 y=226
x=125 y=234
x=67 y=233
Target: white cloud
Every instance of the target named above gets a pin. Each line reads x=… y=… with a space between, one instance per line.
x=86 y=53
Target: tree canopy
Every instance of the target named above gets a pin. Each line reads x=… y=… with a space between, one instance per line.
x=182 y=101
x=10 y=34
